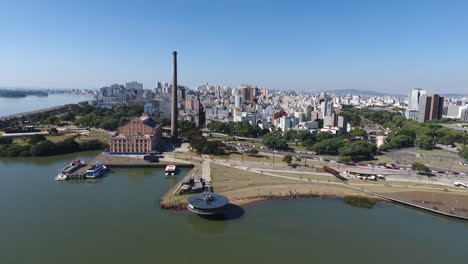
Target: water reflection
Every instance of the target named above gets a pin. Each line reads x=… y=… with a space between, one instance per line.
x=202 y=226
x=82 y=181
x=231 y=212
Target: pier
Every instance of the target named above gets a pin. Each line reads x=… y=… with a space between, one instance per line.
x=120 y=161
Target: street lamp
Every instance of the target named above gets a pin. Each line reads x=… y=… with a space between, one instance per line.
x=274 y=149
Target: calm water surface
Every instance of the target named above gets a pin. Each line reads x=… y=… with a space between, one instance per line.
x=10 y=106
x=117 y=219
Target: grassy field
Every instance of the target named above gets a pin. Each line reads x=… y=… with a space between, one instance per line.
x=172 y=196
x=255 y=158
x=437 y=152
x=309 y=176
x=93 y=135
x=238 y=185
x=440 y=163
x=383 y=159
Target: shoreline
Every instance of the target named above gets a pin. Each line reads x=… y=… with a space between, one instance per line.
x=253 y=200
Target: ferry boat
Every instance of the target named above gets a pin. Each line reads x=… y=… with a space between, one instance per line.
x=95 y=171
x=73 y=166
x=170 y=169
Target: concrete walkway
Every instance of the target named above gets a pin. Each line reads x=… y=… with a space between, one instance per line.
x=206 y=170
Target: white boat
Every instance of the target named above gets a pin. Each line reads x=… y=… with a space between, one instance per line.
x=97 y=170
x=61 y=177
x=171 y=169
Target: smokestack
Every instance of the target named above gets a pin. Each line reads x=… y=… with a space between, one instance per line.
x=174 y=98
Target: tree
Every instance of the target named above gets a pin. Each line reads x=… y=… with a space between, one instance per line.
x=298 y=159
x=420 y=167
x=274 y=141
x=5 y=140
x=44 y=148
x=464 y=152
x=400 y=141
x=230 y=148
x=345 y=159
x=323 y=136
x=214 y=148
x=164 y=121
x=290 y=135
x=197 y=143
x=188 y=129
x=109 y=124
x=36 y=139
x=92 y=145
x=308 y=144
x=358 y=132
x=328 y=146
x=287 y=159
x=52 y=120
x=251 y=152
x=425 y=142
x=359 y=150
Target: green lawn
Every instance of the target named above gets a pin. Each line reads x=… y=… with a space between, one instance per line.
x=440 y=162
x=299 y=146
x=437 y=152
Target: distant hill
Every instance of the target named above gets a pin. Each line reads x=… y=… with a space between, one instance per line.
x=361 y=92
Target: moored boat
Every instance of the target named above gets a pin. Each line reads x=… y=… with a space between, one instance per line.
x=171 y=169
x=97 y=170
x=61 y=177
x=73 y=166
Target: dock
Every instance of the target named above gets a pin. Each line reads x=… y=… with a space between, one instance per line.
x=123 y=161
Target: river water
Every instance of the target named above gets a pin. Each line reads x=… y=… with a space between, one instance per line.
x=9 y=106
x=117 y=219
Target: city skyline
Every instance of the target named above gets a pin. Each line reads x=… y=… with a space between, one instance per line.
x=302 y=46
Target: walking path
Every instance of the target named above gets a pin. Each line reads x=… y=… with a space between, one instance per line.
x=206 y=171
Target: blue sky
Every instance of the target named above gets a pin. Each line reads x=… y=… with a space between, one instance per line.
x=301 y=45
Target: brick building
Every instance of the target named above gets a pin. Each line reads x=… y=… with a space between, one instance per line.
x=140 y=135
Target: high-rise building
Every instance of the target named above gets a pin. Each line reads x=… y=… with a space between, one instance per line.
x=265 y=92
x=248 y=93
x=148 y=109
x=238 y=101
x=414 y=97
x=430 y=107
x=329 y=120
x=327 y=107
x=138 y=87
x=342 y=122
x=464 y=114
x=411 y=114
x=453 y=111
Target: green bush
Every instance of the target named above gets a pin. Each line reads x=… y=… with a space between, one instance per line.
x=359 y=201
